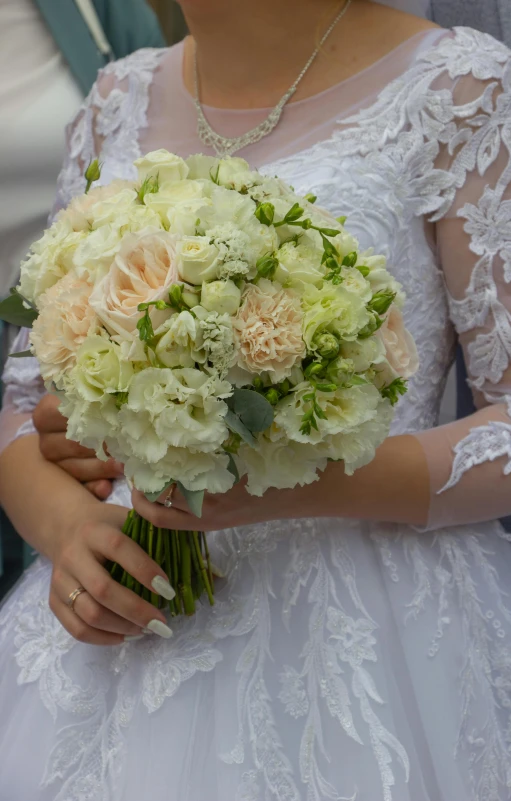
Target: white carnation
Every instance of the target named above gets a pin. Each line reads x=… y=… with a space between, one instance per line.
x=196 y=471
x=280 y=464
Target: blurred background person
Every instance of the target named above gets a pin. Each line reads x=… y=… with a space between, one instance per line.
x=50 y=53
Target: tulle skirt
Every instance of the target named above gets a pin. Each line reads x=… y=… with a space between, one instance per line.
x=340 y=661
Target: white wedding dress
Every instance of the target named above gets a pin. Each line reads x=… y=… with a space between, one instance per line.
x=343 y=659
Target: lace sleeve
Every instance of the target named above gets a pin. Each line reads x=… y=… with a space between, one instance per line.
x=470 y=461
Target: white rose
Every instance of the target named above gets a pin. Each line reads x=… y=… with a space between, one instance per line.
x=354 y=281
x=202 y=166
x=183 y=195
x=222 y=297
x=162 y=165
x=99 y=369
x=183 y=218
x=197 y=259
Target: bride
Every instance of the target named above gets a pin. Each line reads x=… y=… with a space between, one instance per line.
x=346 y=657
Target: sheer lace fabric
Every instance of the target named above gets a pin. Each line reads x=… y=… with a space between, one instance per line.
x=342 y=660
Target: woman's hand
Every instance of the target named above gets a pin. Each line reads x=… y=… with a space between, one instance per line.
x=107 y=613
x=77 y=461
x=232 y=509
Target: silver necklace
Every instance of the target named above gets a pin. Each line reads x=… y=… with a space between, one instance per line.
x=225 y=146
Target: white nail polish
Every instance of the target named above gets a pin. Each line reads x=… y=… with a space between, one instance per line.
x=134 y=637
x=217 y=571
x=163 y=588
x=159 y=628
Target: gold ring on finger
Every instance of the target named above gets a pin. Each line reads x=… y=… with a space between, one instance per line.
x=73 y=596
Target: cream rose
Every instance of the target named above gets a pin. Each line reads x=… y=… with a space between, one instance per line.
x=143 y=270
x=197 y=259
x=268 y=329
x=223 y=297
x=99 y=369
x=65 y=320
x=162 y=165
x=400 y=349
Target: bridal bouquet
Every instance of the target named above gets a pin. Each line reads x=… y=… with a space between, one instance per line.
x=204 y=323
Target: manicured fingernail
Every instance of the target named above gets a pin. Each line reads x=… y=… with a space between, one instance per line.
x=134 y=638
x=159 y=628
x=163 y=588
x=217 y=571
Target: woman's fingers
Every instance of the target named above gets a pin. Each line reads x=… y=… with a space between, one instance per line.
x=101 y=489
x=91 y=612
x=91 y=469
x=55 y=447
x=159 y=515
x=78 y=628
x=47 y=417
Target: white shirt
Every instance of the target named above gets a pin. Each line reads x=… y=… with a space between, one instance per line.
x=38 y=97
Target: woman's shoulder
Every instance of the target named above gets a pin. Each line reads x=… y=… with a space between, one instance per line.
x=467 y=51
x=137 y=67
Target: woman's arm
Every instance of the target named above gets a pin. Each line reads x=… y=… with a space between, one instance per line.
x=393 y=488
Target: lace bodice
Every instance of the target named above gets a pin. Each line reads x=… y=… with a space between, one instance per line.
x=423 y=170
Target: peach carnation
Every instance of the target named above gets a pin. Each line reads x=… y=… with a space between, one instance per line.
x=65 y=320
x=268 y=330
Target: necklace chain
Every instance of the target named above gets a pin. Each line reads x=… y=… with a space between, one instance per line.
x=226 y=146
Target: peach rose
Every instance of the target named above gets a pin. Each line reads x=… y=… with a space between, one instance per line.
x=142 y=271
x=79 y=213
x=65 y=320
x=400 y=350
x=268 y=330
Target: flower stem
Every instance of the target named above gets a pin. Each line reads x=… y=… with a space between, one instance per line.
x=202 y=567
x=186 y=573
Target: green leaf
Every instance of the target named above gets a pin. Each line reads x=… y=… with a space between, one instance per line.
x=153 y=496
x=194 y=499
x=253 y=410
x=233 y=468
x=22 y=354
x=145 y=328
x=234 y=423
x=13 y=311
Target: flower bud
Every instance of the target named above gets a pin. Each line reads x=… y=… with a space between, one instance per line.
x=160 y=305
x=381 y=302
x=176 y=295
x=326 y=345
x=350 y=260
x=267 y=265
x=284 y=387
x=371 y=328
x=92 y=173
x=190 y=297
x=222 y=297
x=265 y=213
x=313 y=369
x=294 y=213
x=311 y=198
x=258 y=383
x=272 y=396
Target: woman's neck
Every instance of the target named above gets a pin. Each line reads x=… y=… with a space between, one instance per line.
x=249 y=59
x=246 y=57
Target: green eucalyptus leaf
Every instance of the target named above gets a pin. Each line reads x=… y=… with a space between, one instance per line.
x=194 y=499
x=21 y=354
x=13 y=311
x=233 y=468
x=254 y=411
x=153 y=496
x=234 y=423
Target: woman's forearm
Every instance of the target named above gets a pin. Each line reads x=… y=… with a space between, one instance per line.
x=40 y=499
x=394 y=487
